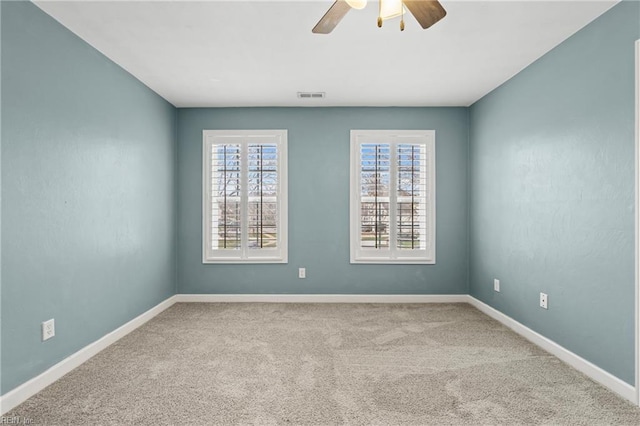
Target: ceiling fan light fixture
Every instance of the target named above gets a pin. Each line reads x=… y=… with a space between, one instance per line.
x=390 y=9
x=356 y=4
x=426 y=12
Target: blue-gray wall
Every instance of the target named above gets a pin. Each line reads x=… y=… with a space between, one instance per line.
x=318 y=145
x=88 y=211
x=552 y=193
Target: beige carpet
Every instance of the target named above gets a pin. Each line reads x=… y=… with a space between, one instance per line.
x=262 y=363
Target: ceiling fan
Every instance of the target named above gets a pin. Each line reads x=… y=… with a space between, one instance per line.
x=426 y=12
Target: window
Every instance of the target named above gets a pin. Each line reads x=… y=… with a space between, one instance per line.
x=393 y=196
x=245 y=196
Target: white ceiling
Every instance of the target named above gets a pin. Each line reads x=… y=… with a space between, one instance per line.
x=261 y=53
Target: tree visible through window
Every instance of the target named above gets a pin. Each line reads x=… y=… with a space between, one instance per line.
x=245 y=196
x=392 y=196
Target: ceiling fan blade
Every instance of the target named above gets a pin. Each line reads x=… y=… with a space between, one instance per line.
x=333 y=16
x=426 y=12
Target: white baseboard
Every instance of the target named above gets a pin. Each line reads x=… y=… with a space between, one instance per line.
x=324 y=298
x=26 y=390
x=620 y=387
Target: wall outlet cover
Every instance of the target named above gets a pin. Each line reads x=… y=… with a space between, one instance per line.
x=496 y=285
x=544 y=301
x=48 y=329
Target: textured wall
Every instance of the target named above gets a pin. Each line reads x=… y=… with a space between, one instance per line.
x=88 y=212
x=552 y=193
x=318 y=144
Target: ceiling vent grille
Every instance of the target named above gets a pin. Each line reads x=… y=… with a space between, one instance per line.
x=311 y=95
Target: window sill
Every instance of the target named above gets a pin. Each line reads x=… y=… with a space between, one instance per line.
x=393 y=261
x=243 y=261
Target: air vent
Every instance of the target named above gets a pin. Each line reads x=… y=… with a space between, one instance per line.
x=311 y=95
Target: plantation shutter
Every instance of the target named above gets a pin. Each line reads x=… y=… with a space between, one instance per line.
x=245 y=196
x=393 y=197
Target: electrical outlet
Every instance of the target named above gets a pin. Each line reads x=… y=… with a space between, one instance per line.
x=496 y=285
x=48 y=329
x=544 y=300
x=302 y=272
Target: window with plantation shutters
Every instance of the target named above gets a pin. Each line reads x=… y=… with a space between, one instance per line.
x=392 y=196
x=245 y=196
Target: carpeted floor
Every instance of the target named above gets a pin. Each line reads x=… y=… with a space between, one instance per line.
x=263 y=363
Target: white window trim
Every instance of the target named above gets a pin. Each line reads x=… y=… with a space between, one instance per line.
x=392 y=255
x=244 y=137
